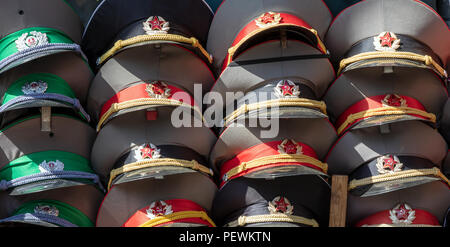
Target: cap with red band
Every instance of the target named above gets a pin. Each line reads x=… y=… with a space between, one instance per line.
x=401 y=215
x=155 y=93
x=269 y=21
x=168 y=212
x=382 y=105
x=271 y=155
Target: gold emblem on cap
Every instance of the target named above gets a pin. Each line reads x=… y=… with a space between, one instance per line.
x=157 y=209
x=289 y=146
x=46 y=209
x=147 y=151
x=402 y=214
x=268 y=19
x=287 y=89
x=30 y=40
x=389 y=164
x=394 y=100
x=280 y=205
x=156 y=25
x=158 y=90
x=386 y=41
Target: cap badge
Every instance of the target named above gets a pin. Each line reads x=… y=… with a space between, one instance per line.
x=389 y=164
x=147 y=151
x=402 y=213
x=287 y=89
x=289 y=147
x=158 y=90
x=268 y=19
x=386 y=41
x=30 y=40
x=46 y=209
x=394 y=100
x=159 y=208
x=281 y=205
x=156 y=25
x=35 y=87
x=51 y=166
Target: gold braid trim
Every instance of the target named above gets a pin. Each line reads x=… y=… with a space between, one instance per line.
x=141 y=102
x=387 y=110
x=300 y=102
x=273 y=159
x=194 y=165
x=145 y=38
x=427 y=60
x=397 y=175
x=232 y=50
x=178 y=216
x=244 y=220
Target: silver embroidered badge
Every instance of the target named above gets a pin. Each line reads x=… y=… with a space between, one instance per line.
x=30 y=40
x=34 y=87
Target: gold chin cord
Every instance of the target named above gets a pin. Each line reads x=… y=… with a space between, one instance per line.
x=244 y=220
x=425 y=59
x=120 y=44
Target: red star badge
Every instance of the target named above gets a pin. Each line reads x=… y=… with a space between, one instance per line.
x=287 y=89
x=402 y=213
x=156 y=23
x=290 y=147
x=387 y=39
x=267 y=18
x=159 y=209
x=147 y=152
x=281 y=205
x=389 y=163
x=394 y=100
x=159 y=88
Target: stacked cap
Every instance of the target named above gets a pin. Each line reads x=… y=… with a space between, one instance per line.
x=274 y=130
x=386 y=105
x=45 y=173
x=152 y=146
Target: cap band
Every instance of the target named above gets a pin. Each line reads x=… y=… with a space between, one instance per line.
x=34 y=167
x=162 y=213
x=120 y=44
x=51 y=211
x=244 y=220
x=436 y=172
x=380 y=106
x=193 y=164
x=146 y=94
x=45 y=87
x=425 y=59
x=286 y=102
x=265 y=155
x=31 y=41
x=401 y=216
x=275 y=20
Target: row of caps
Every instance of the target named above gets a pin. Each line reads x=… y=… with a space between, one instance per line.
x=147 y=58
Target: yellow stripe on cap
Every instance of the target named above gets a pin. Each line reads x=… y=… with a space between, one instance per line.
x=397 y=175
x=427 y=60
x=178 y=216
x=387 y=110
x=157 y=163
x=244 y=220
x=287 y=102
x=142 y=102
x=120 y=44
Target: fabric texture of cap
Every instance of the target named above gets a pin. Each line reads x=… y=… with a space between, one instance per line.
x=139 y=22
x=124 y=200
x=33 y=160
x=37 y=34
x=286 y=201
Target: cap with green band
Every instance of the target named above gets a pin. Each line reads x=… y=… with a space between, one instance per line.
x=47 y=165
x=41 y=89
x=49 y=213
x=32 y=43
